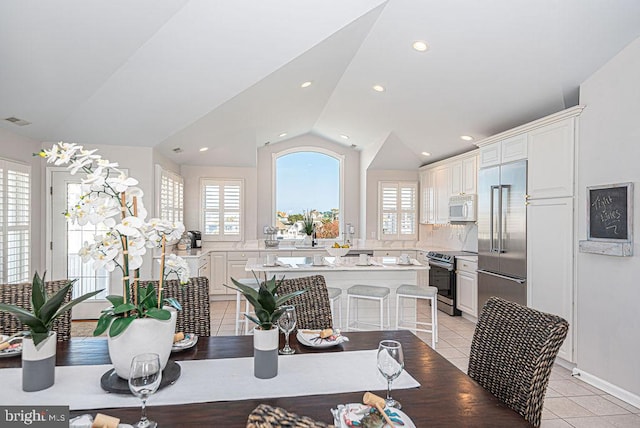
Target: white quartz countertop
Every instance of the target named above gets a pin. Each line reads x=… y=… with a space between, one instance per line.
x=300 y=264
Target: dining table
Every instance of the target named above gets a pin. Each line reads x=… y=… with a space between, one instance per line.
x=446 y=397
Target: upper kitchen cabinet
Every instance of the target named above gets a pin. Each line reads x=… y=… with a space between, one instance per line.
x=508 y=150
x=463 y=175
x=551 y=160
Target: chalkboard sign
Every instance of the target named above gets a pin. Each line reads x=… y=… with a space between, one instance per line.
x=610 y=213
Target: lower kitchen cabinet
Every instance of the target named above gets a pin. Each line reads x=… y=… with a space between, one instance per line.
x=218 y=275
x=467 y=287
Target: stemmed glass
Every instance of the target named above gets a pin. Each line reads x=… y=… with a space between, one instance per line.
x=144 y=379
x=390 y=364
x=287 y=322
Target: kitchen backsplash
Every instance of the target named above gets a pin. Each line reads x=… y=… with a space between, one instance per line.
x=459 y=237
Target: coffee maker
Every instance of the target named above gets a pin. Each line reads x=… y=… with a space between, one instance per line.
x=196 y=239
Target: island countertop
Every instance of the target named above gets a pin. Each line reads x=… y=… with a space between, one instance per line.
x=305 y=264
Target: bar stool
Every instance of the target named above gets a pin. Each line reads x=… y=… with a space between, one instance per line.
x=416 y=292
x=335 y=295
x=367 y=292
x=249 y=282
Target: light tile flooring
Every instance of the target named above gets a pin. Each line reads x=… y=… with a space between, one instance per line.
x=569 y=401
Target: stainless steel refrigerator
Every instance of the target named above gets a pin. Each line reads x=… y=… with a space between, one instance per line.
x=502 y=233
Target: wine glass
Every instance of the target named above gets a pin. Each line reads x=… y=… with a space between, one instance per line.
x=144 y=379
x=287 y=322
x=390 y=364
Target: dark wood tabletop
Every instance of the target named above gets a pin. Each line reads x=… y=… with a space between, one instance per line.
x=446 y=398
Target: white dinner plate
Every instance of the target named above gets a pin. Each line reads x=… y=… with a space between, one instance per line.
x=355 y=411
x=189 y=341
x=14 y=350
x=307 y=338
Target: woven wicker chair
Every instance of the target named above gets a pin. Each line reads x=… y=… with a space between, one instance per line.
x=512 y=352
x=265 y=416
x=313 y=308
x=194 y=299
x=20 y=295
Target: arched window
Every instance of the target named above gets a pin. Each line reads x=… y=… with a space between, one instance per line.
x=308 y=182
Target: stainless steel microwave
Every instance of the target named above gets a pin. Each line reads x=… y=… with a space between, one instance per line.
x=462 y=208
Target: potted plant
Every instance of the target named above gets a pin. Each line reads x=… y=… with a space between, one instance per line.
x=39 y=346
x=308 y=227
x=112 y=198
x=267 y=305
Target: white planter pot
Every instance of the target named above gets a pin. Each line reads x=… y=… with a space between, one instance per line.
x=306 y=241
x=265 y=353
x=142 y=336
x=38 y=363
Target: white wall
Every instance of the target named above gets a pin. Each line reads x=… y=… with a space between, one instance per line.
x=373 y=178
x=17 y=148
x=351 y=208
x=608 y=288
x=192 y=175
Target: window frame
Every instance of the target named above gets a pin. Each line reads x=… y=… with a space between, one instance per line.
x=221 y=182
x=399 y=211
x=7 y=165
x=341 y=160
x=177 y=179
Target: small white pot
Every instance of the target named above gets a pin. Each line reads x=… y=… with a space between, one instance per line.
x=38 y=363
x=142 y=336
x=265 y=352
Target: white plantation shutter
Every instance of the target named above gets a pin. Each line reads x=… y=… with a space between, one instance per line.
x=170 y=195
x=15 y=222
x=397 y=208
x=222 y=203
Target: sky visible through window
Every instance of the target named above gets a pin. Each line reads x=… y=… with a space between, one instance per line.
x=307 y=181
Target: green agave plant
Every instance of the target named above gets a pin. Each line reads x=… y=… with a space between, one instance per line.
x=45 y=308
x=266 y=302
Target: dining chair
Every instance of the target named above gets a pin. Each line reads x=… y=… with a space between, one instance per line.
x=265 y=416
x=512 y=353
x=313 y=308
x=195 y=315
x=20 y=295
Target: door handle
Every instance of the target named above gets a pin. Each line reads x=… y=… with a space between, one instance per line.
x=497 y=275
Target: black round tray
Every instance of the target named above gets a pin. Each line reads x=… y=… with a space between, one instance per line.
x=111 y=382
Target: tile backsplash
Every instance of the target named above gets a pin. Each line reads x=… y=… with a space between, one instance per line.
x=457 y=237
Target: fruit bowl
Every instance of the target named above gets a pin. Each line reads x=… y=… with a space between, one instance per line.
x=337 y=252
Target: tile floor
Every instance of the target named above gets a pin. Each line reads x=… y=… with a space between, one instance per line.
x=569 y=401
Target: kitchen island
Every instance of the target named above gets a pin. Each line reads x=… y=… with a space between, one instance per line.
x=344 y=272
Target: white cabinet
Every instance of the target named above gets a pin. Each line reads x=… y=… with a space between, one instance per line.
x=550 y=261
x=462 y=177
x=236 y=263
x=508 y=150
x=218 y=273
x=203 y=267
x=441 y=195
x=467 y=287
x=551 y=160
x=424 y=196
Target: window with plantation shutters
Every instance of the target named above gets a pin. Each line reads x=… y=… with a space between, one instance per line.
x=15 y=222
x=170 y=195
x=222 y=210
x=398 y=210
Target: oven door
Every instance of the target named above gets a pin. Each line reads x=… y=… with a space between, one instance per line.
x=441 y=276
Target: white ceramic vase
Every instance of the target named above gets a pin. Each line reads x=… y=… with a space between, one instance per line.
x=38 y=363
x=265 y=352
x=307 y=241
x=143 y=335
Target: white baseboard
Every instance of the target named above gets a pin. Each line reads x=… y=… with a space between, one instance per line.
x=607 y=387
x=565 y=364
x=470 y=318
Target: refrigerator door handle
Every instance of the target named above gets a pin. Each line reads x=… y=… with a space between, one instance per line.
x=503 y=216
x=492 y=218
x=510 y=278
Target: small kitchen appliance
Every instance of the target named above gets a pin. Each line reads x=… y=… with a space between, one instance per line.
x=196 y=238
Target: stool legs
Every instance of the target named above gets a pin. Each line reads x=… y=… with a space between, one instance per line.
x=238 y=315
x=434 y=317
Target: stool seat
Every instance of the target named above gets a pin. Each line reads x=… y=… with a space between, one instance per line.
x=414 y=290
x=368 y=290
x=334 y=292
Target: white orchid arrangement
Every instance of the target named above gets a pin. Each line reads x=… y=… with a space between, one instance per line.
x=111 y=197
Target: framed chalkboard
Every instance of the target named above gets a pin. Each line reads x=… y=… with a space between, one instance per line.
x=610 y=213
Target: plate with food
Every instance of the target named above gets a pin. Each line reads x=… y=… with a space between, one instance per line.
x=321 y=338
x=364 y=416
x=184 y=341
x=10 y=346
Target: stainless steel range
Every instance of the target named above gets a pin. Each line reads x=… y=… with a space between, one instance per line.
x=442 y=275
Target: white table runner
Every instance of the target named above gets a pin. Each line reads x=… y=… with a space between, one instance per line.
x=213 y=380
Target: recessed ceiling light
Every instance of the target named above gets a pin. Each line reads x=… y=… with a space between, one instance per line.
x=306 y=84
x=345 y=137
x=378 y=88
x=284 y=134
x=466 y=137
x=204 y=149
x=426 y=154
x=420 y=46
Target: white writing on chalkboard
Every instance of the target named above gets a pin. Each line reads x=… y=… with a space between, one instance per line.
x=609 y=216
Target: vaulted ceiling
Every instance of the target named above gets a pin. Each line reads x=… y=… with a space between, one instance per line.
x=226 y=74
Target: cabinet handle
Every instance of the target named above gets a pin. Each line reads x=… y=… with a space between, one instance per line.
x=527 y=196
